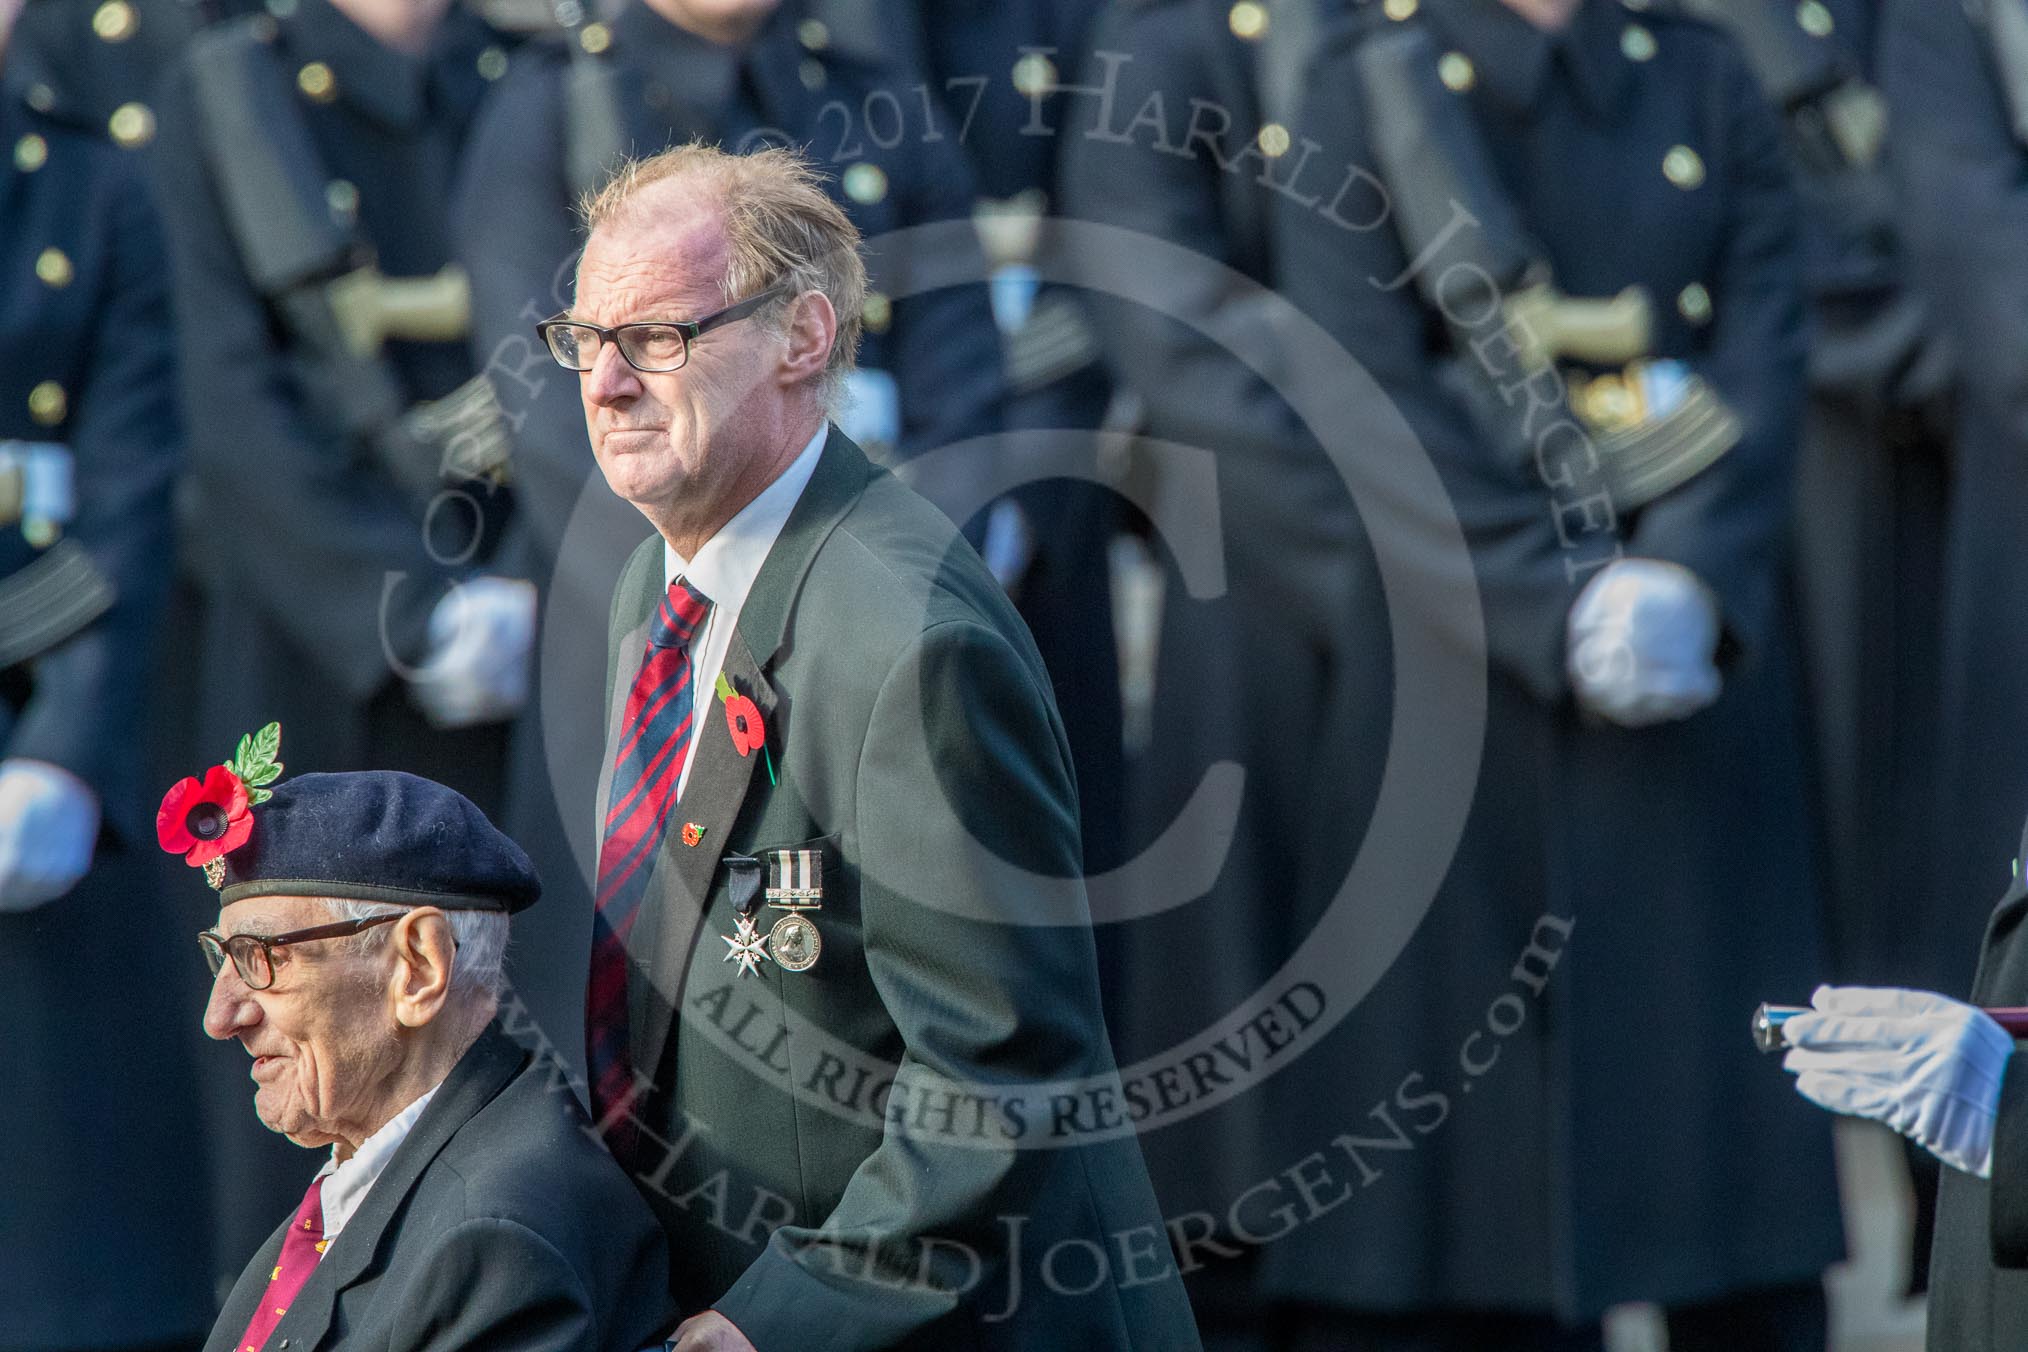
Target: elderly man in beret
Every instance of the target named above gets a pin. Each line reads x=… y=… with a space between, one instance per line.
x=361 y=923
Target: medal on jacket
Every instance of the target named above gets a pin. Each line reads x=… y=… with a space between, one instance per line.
x=795 y=885
x=746 y=945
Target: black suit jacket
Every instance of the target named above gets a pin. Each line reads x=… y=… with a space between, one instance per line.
x=862 y=1155
x=500 y=1223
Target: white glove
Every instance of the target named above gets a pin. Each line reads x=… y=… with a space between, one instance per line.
x=1642 y=641
x=481 y=637
x=49 y=822
x=1924 y=1064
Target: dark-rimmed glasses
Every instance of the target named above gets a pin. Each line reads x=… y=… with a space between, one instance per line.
x=253 y=955
x=652 y=346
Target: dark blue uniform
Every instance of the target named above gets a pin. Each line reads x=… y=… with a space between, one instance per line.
x=1959 y=167
x=992 y=61
x=1608 y=1135
x=1628 y=1145
x=895 y=164
x=102 y=1192
x=319 y=570
x=1256 y=676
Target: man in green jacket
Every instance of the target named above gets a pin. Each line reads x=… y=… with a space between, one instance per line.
x=843 y=1019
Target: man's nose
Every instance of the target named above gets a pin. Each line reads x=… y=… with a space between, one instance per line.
x=231 y=1006
x=610 y=379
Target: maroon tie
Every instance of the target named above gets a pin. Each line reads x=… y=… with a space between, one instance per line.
x=654 y=736
x=301 y=1248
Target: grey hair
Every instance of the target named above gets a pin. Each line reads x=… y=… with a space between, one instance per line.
x=781 y=229
x=480 y=936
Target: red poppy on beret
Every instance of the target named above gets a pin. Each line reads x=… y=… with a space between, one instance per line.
x=203 y=820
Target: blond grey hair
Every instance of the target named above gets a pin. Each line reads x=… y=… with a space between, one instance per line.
x=781 y=229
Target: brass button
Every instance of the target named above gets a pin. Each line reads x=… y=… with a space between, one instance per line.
x=115 y=21
x=342 y=196
x=595 y=38
x=131 y=125
x=1683 y=167
x=47 y=403
x=1455 y=70
x=263 y=27
x=31 y=152
x=317 y=82
x=1398 y=10
x=1693 y=302
x=1274 y=140
x=492 y=63
x=1637 y=43
x=1814 y=18
x=811 y=72
x=1248 y=19
x=53 y=267
x=41 y=97
x=282 y=9
x=877 y=313
x=865 y=183
x=1034 y=75
x=813 y=34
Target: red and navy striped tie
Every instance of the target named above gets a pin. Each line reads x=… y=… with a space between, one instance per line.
x=654 y=737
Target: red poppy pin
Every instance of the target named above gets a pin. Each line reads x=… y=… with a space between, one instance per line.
x=743 y=721
x=205 y=819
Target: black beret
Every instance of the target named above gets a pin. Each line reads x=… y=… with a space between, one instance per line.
x=378 y=835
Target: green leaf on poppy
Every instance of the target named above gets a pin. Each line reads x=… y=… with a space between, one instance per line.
x=255 y=797
x=725 y=690
x=255 y=762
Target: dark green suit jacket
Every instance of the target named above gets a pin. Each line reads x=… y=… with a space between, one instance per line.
x=860 y=1155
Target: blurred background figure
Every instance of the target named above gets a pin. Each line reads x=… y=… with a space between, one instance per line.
x=1872 y=472
x=104 y=1194
x=344 y=455
x=1608 y=371
x=659 y=73
x=1266 y=676
x=1959 y=148
x=1631 y=540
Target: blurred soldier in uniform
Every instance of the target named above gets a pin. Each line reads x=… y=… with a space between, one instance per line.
x=991 y=62
x=1956 y=77
x=343 y=452
x=106 y=1244
x=105 y=57
x=1263 y=673
x=660 y=73
x=1572 y=265
x=1871 y=482
x=1871 y=471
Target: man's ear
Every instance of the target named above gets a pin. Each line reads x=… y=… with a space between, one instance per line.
x=813 y=325
x=423 y=951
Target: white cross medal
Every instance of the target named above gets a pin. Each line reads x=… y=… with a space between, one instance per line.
x=746 y=947
x=795 y=885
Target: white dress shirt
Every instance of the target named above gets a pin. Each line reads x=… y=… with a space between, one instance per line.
x=724 y=570
x=346 y=1184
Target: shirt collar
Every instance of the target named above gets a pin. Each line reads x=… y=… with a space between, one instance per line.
x=729 y=561
x=393 y=88
x=1514 y=59
x=346 y=1184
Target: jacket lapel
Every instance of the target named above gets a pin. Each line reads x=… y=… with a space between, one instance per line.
x=479 y=1076
x=672 y=916
x=247 y=1292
